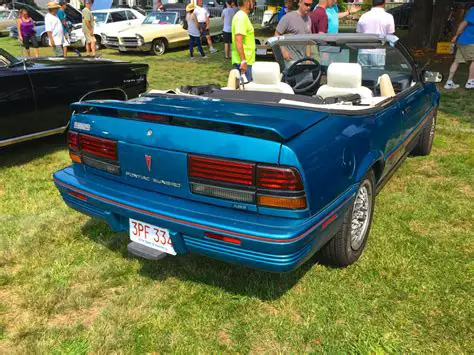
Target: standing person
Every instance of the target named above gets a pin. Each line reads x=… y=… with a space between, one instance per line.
x=227 y=16
x=285 y=9
x=26 y=32
x=193 y=31
x=88 y=28
x=61 y=14
x=159 y=6
x=202 y=16
x=377 y=20
x=319 y=17
x=243 y=39
x=465 y=52
x=296 y=22
x=54 y=29
x=334 y=15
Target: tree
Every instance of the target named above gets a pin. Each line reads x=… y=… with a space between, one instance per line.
x=428 y=22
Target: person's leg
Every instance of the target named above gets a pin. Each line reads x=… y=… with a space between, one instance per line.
x=199 y=45
x=471 y=71
x=93 y=45
x=34 y=42
x=458 y=59
x=87 y=45
x=248 y=72
x=452 y=71
x=226 y=50
x=191 y=45
x=26 y=45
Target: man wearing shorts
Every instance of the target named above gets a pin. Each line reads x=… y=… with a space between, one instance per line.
x=202 y=16
x=88 y=28
x=227 y=15
x=465 y=53
x=54 y=29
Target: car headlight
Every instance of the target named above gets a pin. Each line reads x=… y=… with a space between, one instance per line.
x=140 y=39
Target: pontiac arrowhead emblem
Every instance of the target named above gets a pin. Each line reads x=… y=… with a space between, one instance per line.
x=148 y=162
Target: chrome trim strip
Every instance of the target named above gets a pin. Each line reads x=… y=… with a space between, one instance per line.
x=33 y=136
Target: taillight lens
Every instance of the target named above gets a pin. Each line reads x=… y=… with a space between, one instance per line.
x=226 y=171
x=264 y=185
x=100 y=147
x=73 y=140
x=275 y=178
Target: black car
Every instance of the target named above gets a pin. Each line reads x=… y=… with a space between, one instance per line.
x=401 y=15
x=35 y=94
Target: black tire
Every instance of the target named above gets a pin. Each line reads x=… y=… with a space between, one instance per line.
x=45 y=40
x=425 y=141
x=98 y=43
x=158 y=46
x=343 y=250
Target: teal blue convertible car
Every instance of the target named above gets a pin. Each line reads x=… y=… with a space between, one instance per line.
x=263 y=174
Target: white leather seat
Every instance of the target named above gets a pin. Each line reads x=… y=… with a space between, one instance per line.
x=344 y=79
x=266 y=77
x=386 y=86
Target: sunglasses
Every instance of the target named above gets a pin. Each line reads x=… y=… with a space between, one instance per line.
x=308 y=5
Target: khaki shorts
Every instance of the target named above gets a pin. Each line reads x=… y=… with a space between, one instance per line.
x=89 y=38
x=465 y=53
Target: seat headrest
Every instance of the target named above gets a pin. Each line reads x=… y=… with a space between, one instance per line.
x=266 y=73
x=345 y=75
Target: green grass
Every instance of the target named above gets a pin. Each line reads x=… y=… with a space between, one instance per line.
x=67 y=284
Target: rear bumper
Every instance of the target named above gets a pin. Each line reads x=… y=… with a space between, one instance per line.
x=268 y=243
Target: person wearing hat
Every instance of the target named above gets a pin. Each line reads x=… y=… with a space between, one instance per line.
x=193 y=31
x=88 y=28
x=54 y=29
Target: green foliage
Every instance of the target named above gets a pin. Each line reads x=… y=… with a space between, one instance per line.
x=68 y=285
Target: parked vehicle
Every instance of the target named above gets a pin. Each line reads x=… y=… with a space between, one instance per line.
x=115 y=19
x=72 y=15
x=7 y=18
x=35 y=94
x=158 y=32
x=264 y=176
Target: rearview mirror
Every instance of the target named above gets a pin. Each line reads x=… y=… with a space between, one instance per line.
x=432 y=77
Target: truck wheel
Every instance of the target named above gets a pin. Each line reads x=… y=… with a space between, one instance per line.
x=158 y=46
x=425 y=141
x=346 y=247
x=45 y=40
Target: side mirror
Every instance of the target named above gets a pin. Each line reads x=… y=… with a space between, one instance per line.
x=432 y=76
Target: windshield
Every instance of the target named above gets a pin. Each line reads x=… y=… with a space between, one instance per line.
x=375 y=58
x=161 y=18
x=4 y=15
x=100 y=17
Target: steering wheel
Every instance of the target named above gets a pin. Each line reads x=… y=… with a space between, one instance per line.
x=304 y=78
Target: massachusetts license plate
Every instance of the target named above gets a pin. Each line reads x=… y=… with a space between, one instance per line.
x=261 y=51
x=151 y=236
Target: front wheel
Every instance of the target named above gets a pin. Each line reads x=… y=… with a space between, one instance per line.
x=347 y=245
x=45 y=40
x=425 y=141
x=158 y=47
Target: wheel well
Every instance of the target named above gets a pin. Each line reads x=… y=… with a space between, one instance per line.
x=98 y=38
x=163 y=39
x=378 y=169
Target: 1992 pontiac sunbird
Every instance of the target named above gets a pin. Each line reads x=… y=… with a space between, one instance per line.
x=262 y=174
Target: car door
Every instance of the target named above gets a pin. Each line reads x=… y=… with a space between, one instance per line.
x=132 y=19
x=18 y=116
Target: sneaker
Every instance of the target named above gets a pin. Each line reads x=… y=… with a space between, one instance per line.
x=213 y=50
x=205 y=57
x=470 y=84
x=451 y=85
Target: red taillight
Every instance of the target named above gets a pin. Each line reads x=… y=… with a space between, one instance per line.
x=275 y=178
x=227 y=171
x=223 y=238
x=100 y=147
x=73 y=140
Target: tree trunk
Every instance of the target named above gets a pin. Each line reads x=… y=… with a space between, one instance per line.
x=428 y=22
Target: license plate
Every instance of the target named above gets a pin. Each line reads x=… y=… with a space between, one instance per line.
x=261 y=51
x=122 y=48
x=151 y=236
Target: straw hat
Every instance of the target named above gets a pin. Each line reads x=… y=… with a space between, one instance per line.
x=53 y=5
x=190 y=7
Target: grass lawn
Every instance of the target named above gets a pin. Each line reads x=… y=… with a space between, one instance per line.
x=67 y=284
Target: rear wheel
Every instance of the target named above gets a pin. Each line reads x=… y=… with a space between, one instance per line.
x=98 y=43
x=45 y=40
x=158 y=46
x=347 y=245
x=425 y=141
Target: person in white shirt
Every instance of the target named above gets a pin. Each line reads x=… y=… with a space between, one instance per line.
x=376 y=21
x=54 y=29
x=227 y=15
x=202 y=16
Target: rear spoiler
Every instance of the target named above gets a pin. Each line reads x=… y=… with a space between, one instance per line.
x=278 y=124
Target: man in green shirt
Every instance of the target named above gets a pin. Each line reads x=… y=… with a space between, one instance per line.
x=243 y=39
x=88 y=28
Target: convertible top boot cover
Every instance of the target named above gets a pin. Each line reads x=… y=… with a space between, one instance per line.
x=344 y=79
